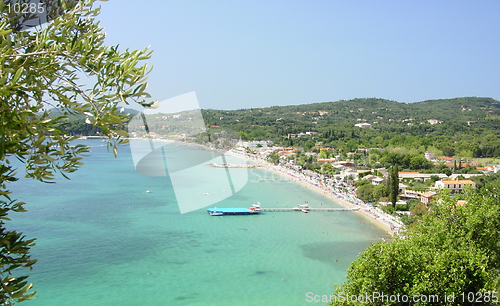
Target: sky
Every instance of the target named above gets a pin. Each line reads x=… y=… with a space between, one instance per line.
x=247 y=54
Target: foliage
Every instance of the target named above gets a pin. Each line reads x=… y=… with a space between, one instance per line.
x=379 y=191
x=454 y=249
x=365 y=192
x=393 y=186
x=40 y=69
x=274 y=158
x=484 y=181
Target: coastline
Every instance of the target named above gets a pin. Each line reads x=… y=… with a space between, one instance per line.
x=348 y=200
x=368 y=213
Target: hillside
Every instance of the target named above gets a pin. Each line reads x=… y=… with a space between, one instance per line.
x=469 y=126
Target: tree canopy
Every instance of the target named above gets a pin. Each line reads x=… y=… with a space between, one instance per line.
x=43 y=69
x=453 y=249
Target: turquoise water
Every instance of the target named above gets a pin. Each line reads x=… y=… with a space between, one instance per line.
x=102 y=240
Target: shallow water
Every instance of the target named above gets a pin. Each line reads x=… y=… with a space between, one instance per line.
x=102 y=240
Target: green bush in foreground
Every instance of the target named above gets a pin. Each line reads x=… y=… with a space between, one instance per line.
x=452 y=251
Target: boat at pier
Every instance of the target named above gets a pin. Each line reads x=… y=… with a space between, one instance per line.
x=220 y=211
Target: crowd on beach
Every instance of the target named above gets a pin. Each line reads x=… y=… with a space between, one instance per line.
x=338 y=188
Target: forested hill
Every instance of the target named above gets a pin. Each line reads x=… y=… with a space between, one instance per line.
x=469 y=126
x=371 y=109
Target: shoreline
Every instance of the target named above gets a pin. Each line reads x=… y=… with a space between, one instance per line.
x=364 y=211
x=369 y=213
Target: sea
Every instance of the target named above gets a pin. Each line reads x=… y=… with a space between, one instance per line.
x=102 y=239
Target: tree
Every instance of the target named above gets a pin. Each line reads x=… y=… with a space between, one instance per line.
x=393 y=186
x=274 y=158
x=379 y=191
x=454 y=250
x=327 y=169
x=365 y=192
x=434 y=178
x=324 y=154
x=40 y=69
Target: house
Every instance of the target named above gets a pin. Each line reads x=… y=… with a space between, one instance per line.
x=409 y=194
x=345 y=164
x=407 y=176
x=349 y=173
x=374 y=180
x=363 y=125
x=434 y=121
x=427 y=196
x=417 y=176
x=455 y=185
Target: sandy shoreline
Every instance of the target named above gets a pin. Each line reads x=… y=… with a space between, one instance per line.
x=371 y=214
x=373 y=218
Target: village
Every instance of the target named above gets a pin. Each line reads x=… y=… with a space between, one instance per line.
x=345 y=177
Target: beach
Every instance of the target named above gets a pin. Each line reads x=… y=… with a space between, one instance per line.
x=349 y=200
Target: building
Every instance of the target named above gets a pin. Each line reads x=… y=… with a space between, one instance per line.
x=374 y=180
x=434 y=121
x=363 y=125
x=427 y=196
x=417 y=176
x=455 y=185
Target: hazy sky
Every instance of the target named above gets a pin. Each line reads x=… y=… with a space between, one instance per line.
x=242 y=54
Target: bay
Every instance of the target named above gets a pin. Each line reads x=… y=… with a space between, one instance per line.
x=102 y=240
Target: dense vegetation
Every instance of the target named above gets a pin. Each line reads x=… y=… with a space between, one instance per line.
x=470 y=127
x=453 y=250
x=394 y=124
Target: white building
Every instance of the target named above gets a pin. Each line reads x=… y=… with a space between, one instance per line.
x=363 y=125
x=455 y=185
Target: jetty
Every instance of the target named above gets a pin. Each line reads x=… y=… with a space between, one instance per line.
x=275 y=209
x=257 y=209
x=232 y=211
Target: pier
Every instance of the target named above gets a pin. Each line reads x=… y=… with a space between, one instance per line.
x=256 y=210
x=306 y=208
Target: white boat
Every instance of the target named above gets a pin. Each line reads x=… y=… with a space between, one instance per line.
x=304 y=211
x=148 y=191
x=303 y=205
x=207 y=193
x=256 y=207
